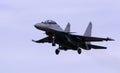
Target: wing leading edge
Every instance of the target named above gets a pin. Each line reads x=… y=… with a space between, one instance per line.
x=93 y=39
x=46 y=39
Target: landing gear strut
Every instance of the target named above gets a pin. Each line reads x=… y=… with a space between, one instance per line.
x=53 y=40
x=57 y=51
x=79 y=51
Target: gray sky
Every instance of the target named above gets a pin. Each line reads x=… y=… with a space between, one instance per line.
x=19 y=55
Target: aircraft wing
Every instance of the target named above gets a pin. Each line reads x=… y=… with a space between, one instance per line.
x=84 y=38
x=92 y=39
x=46 y=39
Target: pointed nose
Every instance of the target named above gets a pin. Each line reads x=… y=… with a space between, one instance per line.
x=40 y=26
x=36 y=26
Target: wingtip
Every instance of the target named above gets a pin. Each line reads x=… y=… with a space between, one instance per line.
x=109 y=39
x=90 y=23
x=112 y=39
x=33 y=40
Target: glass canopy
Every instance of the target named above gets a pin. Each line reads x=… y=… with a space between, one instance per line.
x=49 y=22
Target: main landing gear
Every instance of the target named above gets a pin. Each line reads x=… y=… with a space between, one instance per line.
x=79 y=51
x=57 y=51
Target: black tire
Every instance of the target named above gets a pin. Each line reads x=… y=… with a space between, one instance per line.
x=79 y=51
x=57 y=51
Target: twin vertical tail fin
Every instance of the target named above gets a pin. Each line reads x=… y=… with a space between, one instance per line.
x=67 y=29
x=88 y=31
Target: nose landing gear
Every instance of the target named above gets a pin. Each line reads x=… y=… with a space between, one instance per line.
x=53 y=41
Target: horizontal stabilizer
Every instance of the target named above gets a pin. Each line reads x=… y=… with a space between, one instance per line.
x=96 y=46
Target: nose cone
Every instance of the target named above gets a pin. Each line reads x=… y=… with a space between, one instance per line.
x=40 y=26
x=36 y=26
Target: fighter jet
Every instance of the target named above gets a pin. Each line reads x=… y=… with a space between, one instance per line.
x=66 y=40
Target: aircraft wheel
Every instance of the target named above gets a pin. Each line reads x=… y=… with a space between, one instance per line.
x=79 y=51
x=57 y=51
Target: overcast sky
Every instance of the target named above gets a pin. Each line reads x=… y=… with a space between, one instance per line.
x=18 y=54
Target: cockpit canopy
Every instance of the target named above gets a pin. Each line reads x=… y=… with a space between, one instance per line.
x=49 y=22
